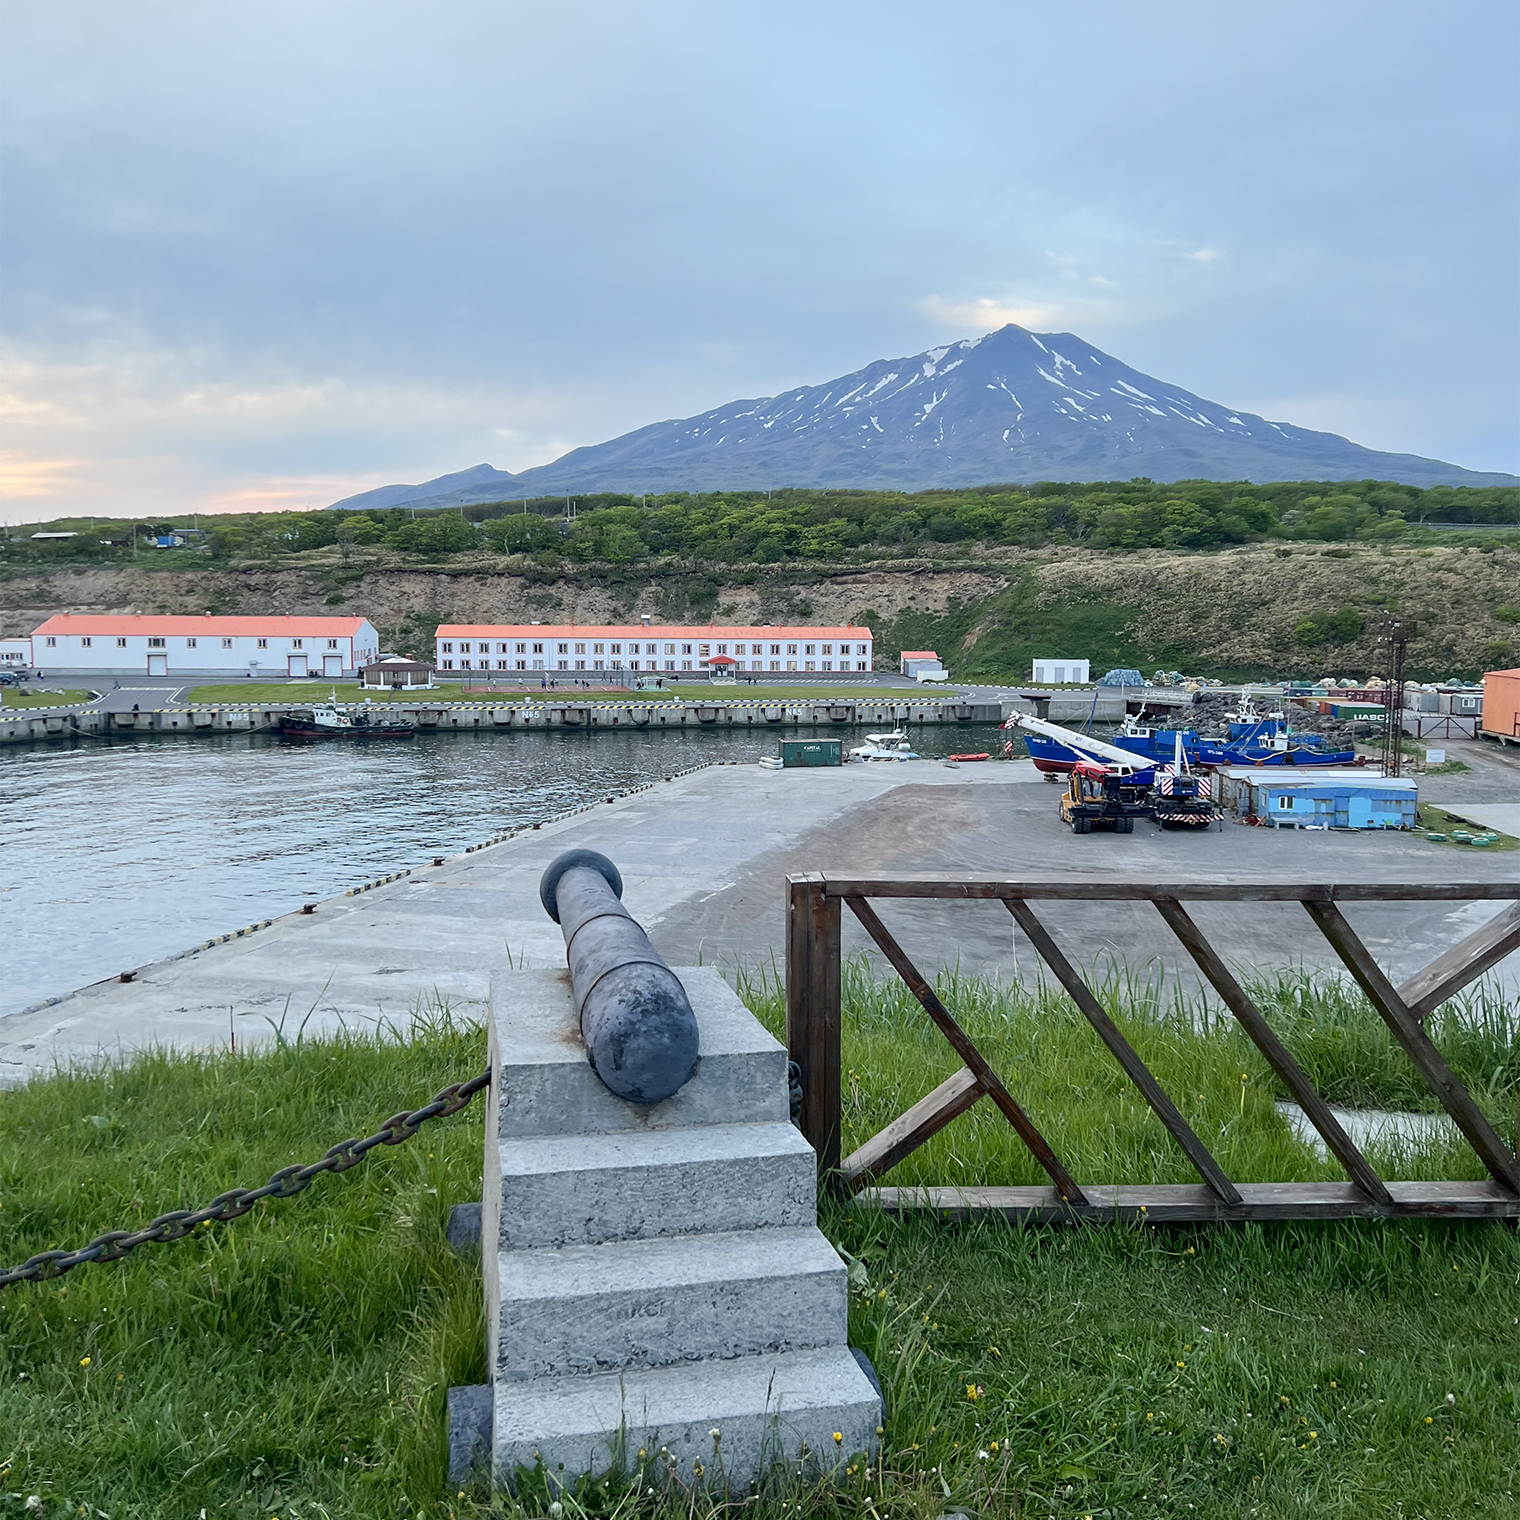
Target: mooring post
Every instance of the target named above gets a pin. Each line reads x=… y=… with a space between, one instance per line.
x=813 y=1013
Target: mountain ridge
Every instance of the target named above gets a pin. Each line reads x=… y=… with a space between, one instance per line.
x=1012 y=406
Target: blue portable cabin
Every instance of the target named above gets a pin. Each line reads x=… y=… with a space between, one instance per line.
x=1329 y=800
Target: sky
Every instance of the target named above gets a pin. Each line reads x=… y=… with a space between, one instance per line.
x=264 y=256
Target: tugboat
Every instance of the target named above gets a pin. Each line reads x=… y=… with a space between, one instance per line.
x=893 y=746
x=327 y=720
x=324 y=721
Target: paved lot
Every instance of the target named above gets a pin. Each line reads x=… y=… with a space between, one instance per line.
x=704 y=859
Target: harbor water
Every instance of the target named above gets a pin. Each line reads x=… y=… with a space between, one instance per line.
x=118 y=853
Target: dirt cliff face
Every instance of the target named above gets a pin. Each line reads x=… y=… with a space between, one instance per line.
x=1239 y=610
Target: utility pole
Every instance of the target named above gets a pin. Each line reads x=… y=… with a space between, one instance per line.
x=1396 y=634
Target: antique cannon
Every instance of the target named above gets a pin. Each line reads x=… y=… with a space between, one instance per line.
x=634 y=1014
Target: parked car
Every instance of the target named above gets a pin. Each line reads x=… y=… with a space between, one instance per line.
x=11 y=677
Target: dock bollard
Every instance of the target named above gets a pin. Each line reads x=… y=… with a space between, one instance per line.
x=634 y=1014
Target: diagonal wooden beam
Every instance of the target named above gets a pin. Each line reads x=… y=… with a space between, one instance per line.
x=1465 y=962
x=1443 y=1081
x=1123 y=1052
x=908 y=1131
x=1337 y=1141
x=1039 y=1147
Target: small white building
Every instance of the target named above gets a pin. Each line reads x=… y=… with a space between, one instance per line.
x=15 y=654
x=113 y=644
x=669 y=649
x=922 y=665
x=1061 y=672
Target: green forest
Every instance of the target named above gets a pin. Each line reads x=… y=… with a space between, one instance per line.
x=822 y=526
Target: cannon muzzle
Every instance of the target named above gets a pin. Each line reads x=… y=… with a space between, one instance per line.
x=635 y=1017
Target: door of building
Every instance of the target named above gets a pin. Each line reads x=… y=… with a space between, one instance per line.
x=158 y=664
x=332 y=664
x=296 y=664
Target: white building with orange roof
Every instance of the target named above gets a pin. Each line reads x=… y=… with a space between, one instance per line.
x=117 y=644
x=667 y=649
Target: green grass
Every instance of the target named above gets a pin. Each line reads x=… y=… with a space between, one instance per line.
x=294 y=1362
x=1433 y=817
x=314 y=690
x=11 y=696
x=865 y=692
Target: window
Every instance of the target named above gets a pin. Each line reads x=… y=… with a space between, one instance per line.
x=189 y=643
x=809 y=650
x=598 y=649
x=686 y=649
x=776 y=649
x=564 y=664
x=503 y=664
x=332 y=643
x=791 y=664
x=616 y=648
x=538 y=664
x=538 y=649
x=226 y=643
x=756 y=649
x=828 y=649
x=52 y=643
x=85 y=643
x=155 y=643
x=596 y=664
x=685 y=664
x=1285 y=802
x=861 y=649
x=564 y=649
x=861 y=665
x=829 y=665
x=522 y=664
x=580 y=664
x=264 y=644
x=650 y=649
x=791 y=649
x=809 y=664
x=723 y=649
x=670 y=664
x=447 y=648
x=120 y=643
x=448 y=664
x=775 y=664
x=521 y=649
x=301 y=644
x=702 y=650
x=580 y=649
x=501 y=649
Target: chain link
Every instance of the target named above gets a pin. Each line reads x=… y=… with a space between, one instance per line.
x=285 y=1183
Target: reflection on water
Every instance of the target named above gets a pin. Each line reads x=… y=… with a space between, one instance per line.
x=118 y=853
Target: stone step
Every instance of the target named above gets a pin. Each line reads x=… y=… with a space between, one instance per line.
x=654 y=1303
x=768 y=1410
x=581 y=1190
x=547 y=1085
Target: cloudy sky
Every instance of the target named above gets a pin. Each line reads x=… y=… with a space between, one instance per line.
x=267 y=255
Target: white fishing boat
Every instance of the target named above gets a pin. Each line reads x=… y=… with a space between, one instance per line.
x=893 y=746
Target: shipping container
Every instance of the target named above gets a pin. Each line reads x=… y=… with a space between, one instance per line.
x=1501 y=706
x=810 y=752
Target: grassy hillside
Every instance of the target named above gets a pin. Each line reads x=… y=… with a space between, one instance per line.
x=1255 y=610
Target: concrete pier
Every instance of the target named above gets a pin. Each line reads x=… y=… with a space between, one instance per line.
x=704 y=858
x=889 y=707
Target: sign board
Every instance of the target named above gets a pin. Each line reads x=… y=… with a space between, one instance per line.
x=1435 y=757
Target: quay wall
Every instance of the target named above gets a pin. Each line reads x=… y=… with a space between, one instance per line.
x=41 y=725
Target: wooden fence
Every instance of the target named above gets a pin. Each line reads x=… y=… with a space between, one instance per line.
x=814 y=907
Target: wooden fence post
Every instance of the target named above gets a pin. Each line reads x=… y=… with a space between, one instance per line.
x=813 y=1013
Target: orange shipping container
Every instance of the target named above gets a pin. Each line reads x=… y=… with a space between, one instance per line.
x=1501 y=704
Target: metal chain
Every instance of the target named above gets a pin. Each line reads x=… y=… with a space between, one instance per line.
x=285 y=1183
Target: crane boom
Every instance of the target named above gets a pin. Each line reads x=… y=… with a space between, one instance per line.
x=1084 y=744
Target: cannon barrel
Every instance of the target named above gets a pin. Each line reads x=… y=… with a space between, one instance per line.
x=634 y=1014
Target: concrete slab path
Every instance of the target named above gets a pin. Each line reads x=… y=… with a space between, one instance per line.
x=704 y=859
